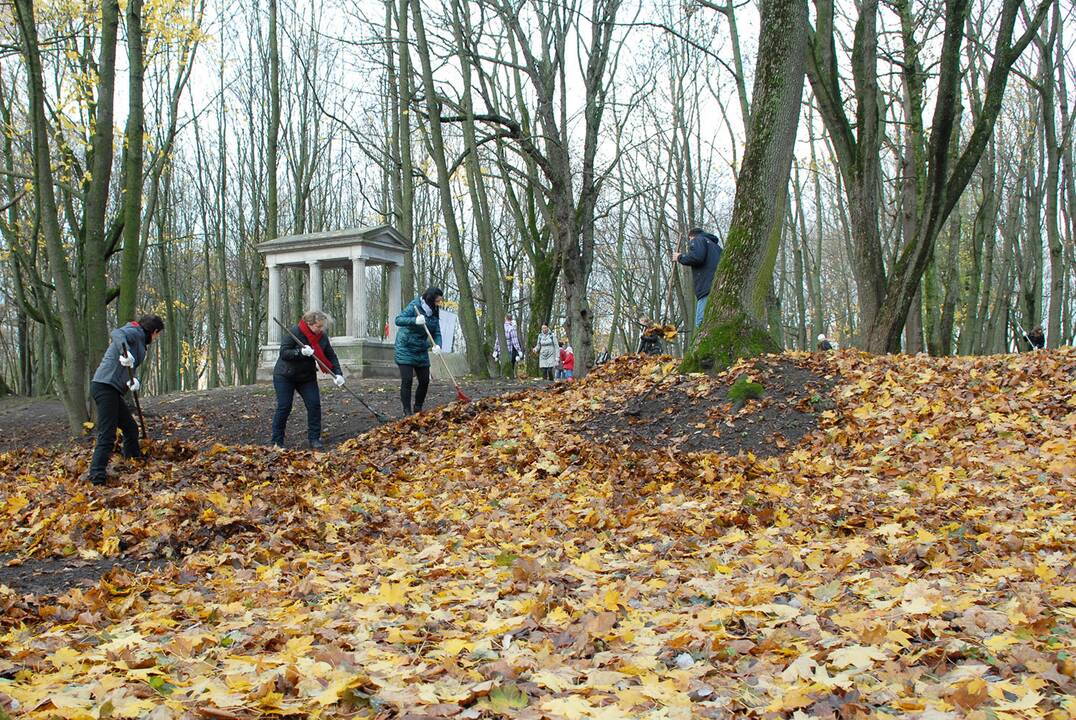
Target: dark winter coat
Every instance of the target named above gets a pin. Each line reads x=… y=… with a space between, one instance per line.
x=110 y=372
x=1037 y=340
x=702 y=257
x=412 y=344
x=292 y=364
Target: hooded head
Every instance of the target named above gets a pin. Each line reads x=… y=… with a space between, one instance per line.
x=821 y=337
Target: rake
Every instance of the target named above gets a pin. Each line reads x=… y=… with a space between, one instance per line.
x=459 y=392
x=380 y=417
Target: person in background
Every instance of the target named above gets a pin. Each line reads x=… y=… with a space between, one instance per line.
x=412 y=353
x=546 y=348
x=113 y=378
x=569 y=363
x=824 y=345
x=560 y=361
x=1036 y=338
x=515 y=349
x=702 y=256
x=303 y=351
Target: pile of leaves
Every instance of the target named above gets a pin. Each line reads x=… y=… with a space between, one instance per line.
x=912 y=555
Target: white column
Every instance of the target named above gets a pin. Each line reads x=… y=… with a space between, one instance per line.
x=394 y=299
x=349 y=304
x=314 y=287
x=273 y=336
x=358 y=296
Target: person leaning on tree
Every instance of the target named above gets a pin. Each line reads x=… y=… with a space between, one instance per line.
x=113 y=378
x=412 y=351
x=303 y=351
x=702 y=256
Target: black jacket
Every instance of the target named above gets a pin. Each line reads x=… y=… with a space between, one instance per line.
x=297 y=367
x=702 y=257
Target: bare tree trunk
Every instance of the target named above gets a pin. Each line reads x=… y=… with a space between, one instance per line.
x=491 y=281
x=1047 y=88
x=73 y=388
x=735 y=322
x=132 y=206
x=400 y=100
x=95 y=324
x=468 y=317
x=273 y=140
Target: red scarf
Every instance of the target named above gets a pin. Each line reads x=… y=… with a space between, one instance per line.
x=315 y=342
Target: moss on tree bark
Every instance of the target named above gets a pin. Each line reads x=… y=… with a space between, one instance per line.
x=735 y=322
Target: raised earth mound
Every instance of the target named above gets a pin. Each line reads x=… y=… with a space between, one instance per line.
x=835 y=535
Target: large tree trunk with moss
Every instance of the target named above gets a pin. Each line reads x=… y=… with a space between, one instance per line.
x=735 y=324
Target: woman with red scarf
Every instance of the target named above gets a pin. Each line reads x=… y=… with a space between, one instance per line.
x=297 y=371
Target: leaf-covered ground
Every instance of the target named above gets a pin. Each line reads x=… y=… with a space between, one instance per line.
x=912 y=556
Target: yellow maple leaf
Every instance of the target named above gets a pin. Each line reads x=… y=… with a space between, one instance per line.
x=572 y=707
x=857 y=656
x=394 y=593
x=454 y=646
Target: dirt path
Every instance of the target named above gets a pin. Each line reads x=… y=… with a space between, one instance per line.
x=235 y=415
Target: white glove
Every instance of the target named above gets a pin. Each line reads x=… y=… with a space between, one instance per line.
x=307 y=351
x=338 y=380
x=133 y=384
x=420 y=319
x=435 y=349
x=126 y=360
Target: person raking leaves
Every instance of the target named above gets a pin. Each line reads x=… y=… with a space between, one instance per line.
x=111 y=382
x=418 y=322
x=296 y=370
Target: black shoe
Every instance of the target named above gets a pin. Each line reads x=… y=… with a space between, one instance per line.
x=418 y=409
x=278 y=446
x=316 y=445
x=98 y=480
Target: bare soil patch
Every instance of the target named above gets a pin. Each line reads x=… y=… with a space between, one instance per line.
x=691 y=413
x=236 y=415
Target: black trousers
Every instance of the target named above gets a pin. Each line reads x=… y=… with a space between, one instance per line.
x=112 y=412
x=547 y=373
x=285 y=389
x=407 y=372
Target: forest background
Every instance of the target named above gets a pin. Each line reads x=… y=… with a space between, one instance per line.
x=545 y=157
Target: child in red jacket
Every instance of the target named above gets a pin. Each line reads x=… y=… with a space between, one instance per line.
x=567 y=362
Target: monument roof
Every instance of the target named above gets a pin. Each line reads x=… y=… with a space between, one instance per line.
x=379 y=235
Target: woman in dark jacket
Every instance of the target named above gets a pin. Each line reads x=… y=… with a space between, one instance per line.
x=413 y=349
x=303 y=351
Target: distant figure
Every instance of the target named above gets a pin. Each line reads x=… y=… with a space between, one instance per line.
x=824 y=345
x=1036 y=338
x=114 y=377
x=702 y=256
x=546 y=348
x=303 y=351
x=418 y=322
x=515 y=349
x=568 y=362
